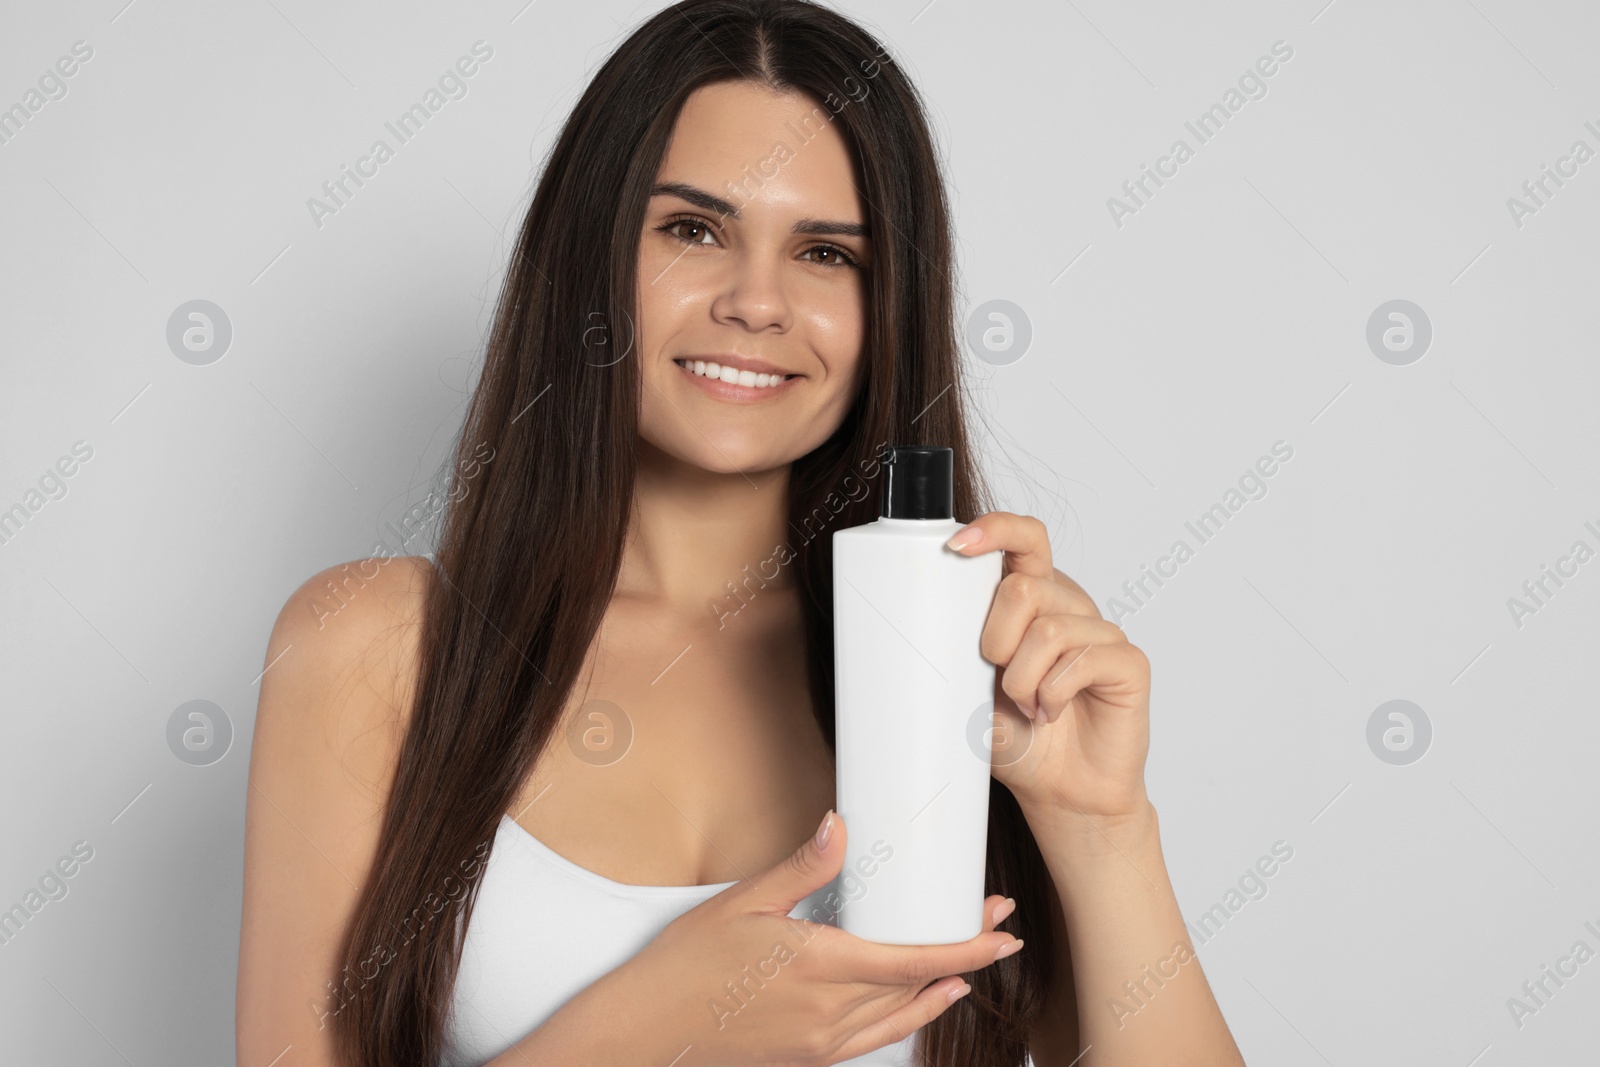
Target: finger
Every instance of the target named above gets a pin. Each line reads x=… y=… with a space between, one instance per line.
x=1048 y=639
x=1023 y=538
x=808 y=868
x=875 y=1000
x=916 y=965
x=925 y=1007
x=1017 y=601
x=1112 y=669
x=996 y=909
x=1083 y=603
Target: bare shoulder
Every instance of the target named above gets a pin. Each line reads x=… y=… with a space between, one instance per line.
x=359 y=619
x=334 y=704
x=341 y=664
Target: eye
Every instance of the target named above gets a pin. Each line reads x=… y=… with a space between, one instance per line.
x=675 y=227
x=672 y=226
x=841 y=258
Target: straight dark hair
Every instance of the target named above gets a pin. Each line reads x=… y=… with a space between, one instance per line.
x=510 y=613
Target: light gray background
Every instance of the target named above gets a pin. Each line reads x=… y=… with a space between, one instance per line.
x=1167 y=354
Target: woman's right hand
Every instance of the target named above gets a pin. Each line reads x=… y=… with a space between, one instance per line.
x=834 y=996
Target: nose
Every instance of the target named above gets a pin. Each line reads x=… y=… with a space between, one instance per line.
x=753 y=294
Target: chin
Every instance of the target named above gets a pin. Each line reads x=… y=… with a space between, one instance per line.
x=725 y=453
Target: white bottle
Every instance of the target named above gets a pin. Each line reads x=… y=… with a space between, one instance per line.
x=912 y=719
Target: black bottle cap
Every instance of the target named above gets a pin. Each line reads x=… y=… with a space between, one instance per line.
x=918 y=482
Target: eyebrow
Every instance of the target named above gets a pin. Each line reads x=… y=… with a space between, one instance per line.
x=709 y=202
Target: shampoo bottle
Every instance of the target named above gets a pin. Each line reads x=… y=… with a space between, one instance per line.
x=913 y=711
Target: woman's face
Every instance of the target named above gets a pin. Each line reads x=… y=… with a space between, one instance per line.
x=754 y=246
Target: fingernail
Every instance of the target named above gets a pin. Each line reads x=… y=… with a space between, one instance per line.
x=959 y=991
x=1004 y=908
x=825 y=830
x=967 y=535
x=1006 y=950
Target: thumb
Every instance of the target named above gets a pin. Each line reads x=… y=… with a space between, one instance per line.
x=807 y=869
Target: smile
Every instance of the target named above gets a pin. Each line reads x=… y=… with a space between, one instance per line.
x=728 y=383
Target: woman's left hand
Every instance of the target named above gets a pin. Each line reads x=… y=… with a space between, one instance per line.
x=1072 y=696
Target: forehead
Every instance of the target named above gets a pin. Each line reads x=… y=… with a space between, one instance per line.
x=779 y=151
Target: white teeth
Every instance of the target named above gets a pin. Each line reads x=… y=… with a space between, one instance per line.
x=748 y=378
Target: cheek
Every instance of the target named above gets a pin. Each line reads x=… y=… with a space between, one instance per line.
x=664 y=299
x=836 y=326
x=669 y=295
x=648 y=316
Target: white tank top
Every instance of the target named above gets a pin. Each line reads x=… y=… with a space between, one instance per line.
x=519 y=964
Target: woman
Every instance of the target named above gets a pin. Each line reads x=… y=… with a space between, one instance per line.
x=547 y=797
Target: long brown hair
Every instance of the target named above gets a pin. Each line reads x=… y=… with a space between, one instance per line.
x=529 y=552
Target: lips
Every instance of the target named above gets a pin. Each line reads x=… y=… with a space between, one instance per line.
x=732 y=373
x=737 y=362
x=746 y=385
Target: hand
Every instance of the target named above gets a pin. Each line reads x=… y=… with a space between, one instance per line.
x=1072 y=699
x=813 y=994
